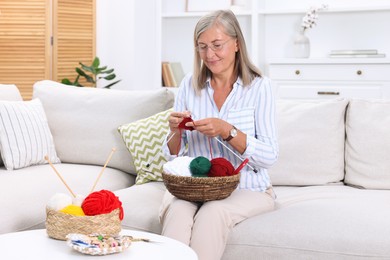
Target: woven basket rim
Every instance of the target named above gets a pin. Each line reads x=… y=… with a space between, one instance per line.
x=200 y=189
x=201 y=179
x=57 y=212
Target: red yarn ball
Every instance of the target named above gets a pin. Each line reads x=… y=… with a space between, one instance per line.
x=185 y=120
x=101 y=202
x=220 y=167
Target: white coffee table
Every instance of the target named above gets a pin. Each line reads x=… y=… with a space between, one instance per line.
x=35 y=244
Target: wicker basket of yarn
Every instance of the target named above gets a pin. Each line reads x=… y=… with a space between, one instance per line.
x=200 y=189
x=59 y=224
x=100 y=212
x=209 y=180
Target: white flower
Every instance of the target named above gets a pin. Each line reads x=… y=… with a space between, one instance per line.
x=310 y=19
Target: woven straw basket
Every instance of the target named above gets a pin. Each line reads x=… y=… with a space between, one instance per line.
x=59 y=224
x=200 y=189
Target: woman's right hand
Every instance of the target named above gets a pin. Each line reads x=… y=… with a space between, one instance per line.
x=175 y=119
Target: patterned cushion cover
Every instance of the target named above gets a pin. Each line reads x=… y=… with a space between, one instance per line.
x=144 y=139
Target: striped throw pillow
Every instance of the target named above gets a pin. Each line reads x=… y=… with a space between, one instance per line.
x=25 y=137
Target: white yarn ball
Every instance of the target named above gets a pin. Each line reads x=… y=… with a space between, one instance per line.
x=179 y=166
x=59 y=201
x=78 y=200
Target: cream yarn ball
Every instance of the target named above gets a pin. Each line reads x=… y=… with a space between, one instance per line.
x=78 y=200
x=59 y=201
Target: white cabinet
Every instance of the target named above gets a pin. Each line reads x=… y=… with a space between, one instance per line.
x=330 y=78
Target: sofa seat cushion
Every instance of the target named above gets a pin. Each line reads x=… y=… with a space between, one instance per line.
x=25 y=192
x=141 y=205
x=318 y=222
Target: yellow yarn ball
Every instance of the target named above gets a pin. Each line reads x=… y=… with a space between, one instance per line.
x=73 y=210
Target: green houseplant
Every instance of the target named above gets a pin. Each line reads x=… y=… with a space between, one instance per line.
x=92 y=74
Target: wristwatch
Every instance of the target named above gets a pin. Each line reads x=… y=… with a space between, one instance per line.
x=233 y=133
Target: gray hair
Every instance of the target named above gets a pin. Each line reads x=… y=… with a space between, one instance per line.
x=243 y=65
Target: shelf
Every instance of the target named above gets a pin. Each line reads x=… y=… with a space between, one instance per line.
x=329 y=10
x=330 y=61
x=281 y=12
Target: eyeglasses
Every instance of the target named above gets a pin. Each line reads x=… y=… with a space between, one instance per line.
x=202 y=48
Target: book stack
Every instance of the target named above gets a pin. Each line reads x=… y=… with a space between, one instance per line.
x=369 y=53
x=172 y=74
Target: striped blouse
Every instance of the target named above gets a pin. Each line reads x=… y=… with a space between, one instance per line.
x=250 y=109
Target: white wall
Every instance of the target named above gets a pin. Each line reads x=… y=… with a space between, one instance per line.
x=128 y=40
x=114 y=37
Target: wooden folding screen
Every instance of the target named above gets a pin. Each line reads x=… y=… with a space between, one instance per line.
x=74 y=36
x=44 y=39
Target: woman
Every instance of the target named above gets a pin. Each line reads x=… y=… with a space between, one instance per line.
x=228 y=99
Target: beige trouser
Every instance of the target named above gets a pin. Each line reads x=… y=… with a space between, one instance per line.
x=205 y=227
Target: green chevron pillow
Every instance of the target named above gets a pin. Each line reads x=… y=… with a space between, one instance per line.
x=144 y=139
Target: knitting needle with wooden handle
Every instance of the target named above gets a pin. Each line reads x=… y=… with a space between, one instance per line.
x=59 y=175
x=104 y=167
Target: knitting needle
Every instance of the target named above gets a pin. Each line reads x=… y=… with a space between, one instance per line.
x=242 y=160
x=242 y=165
x=135 y=239
x=58 y=174
x=154 y=157
x=169 y=139
x=104 y=167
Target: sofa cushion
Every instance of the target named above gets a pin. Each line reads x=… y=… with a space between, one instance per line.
x=144 y=139
x=368 y=144
x=9 y=92
x=25 y=137
x=27 y=191
x=311 y=142
x=84 y=121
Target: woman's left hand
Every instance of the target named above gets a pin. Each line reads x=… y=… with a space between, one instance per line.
x=211 y=127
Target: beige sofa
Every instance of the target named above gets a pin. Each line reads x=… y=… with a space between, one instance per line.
x=332 y=178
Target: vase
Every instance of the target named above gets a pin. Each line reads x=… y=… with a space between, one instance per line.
x=301 y=46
